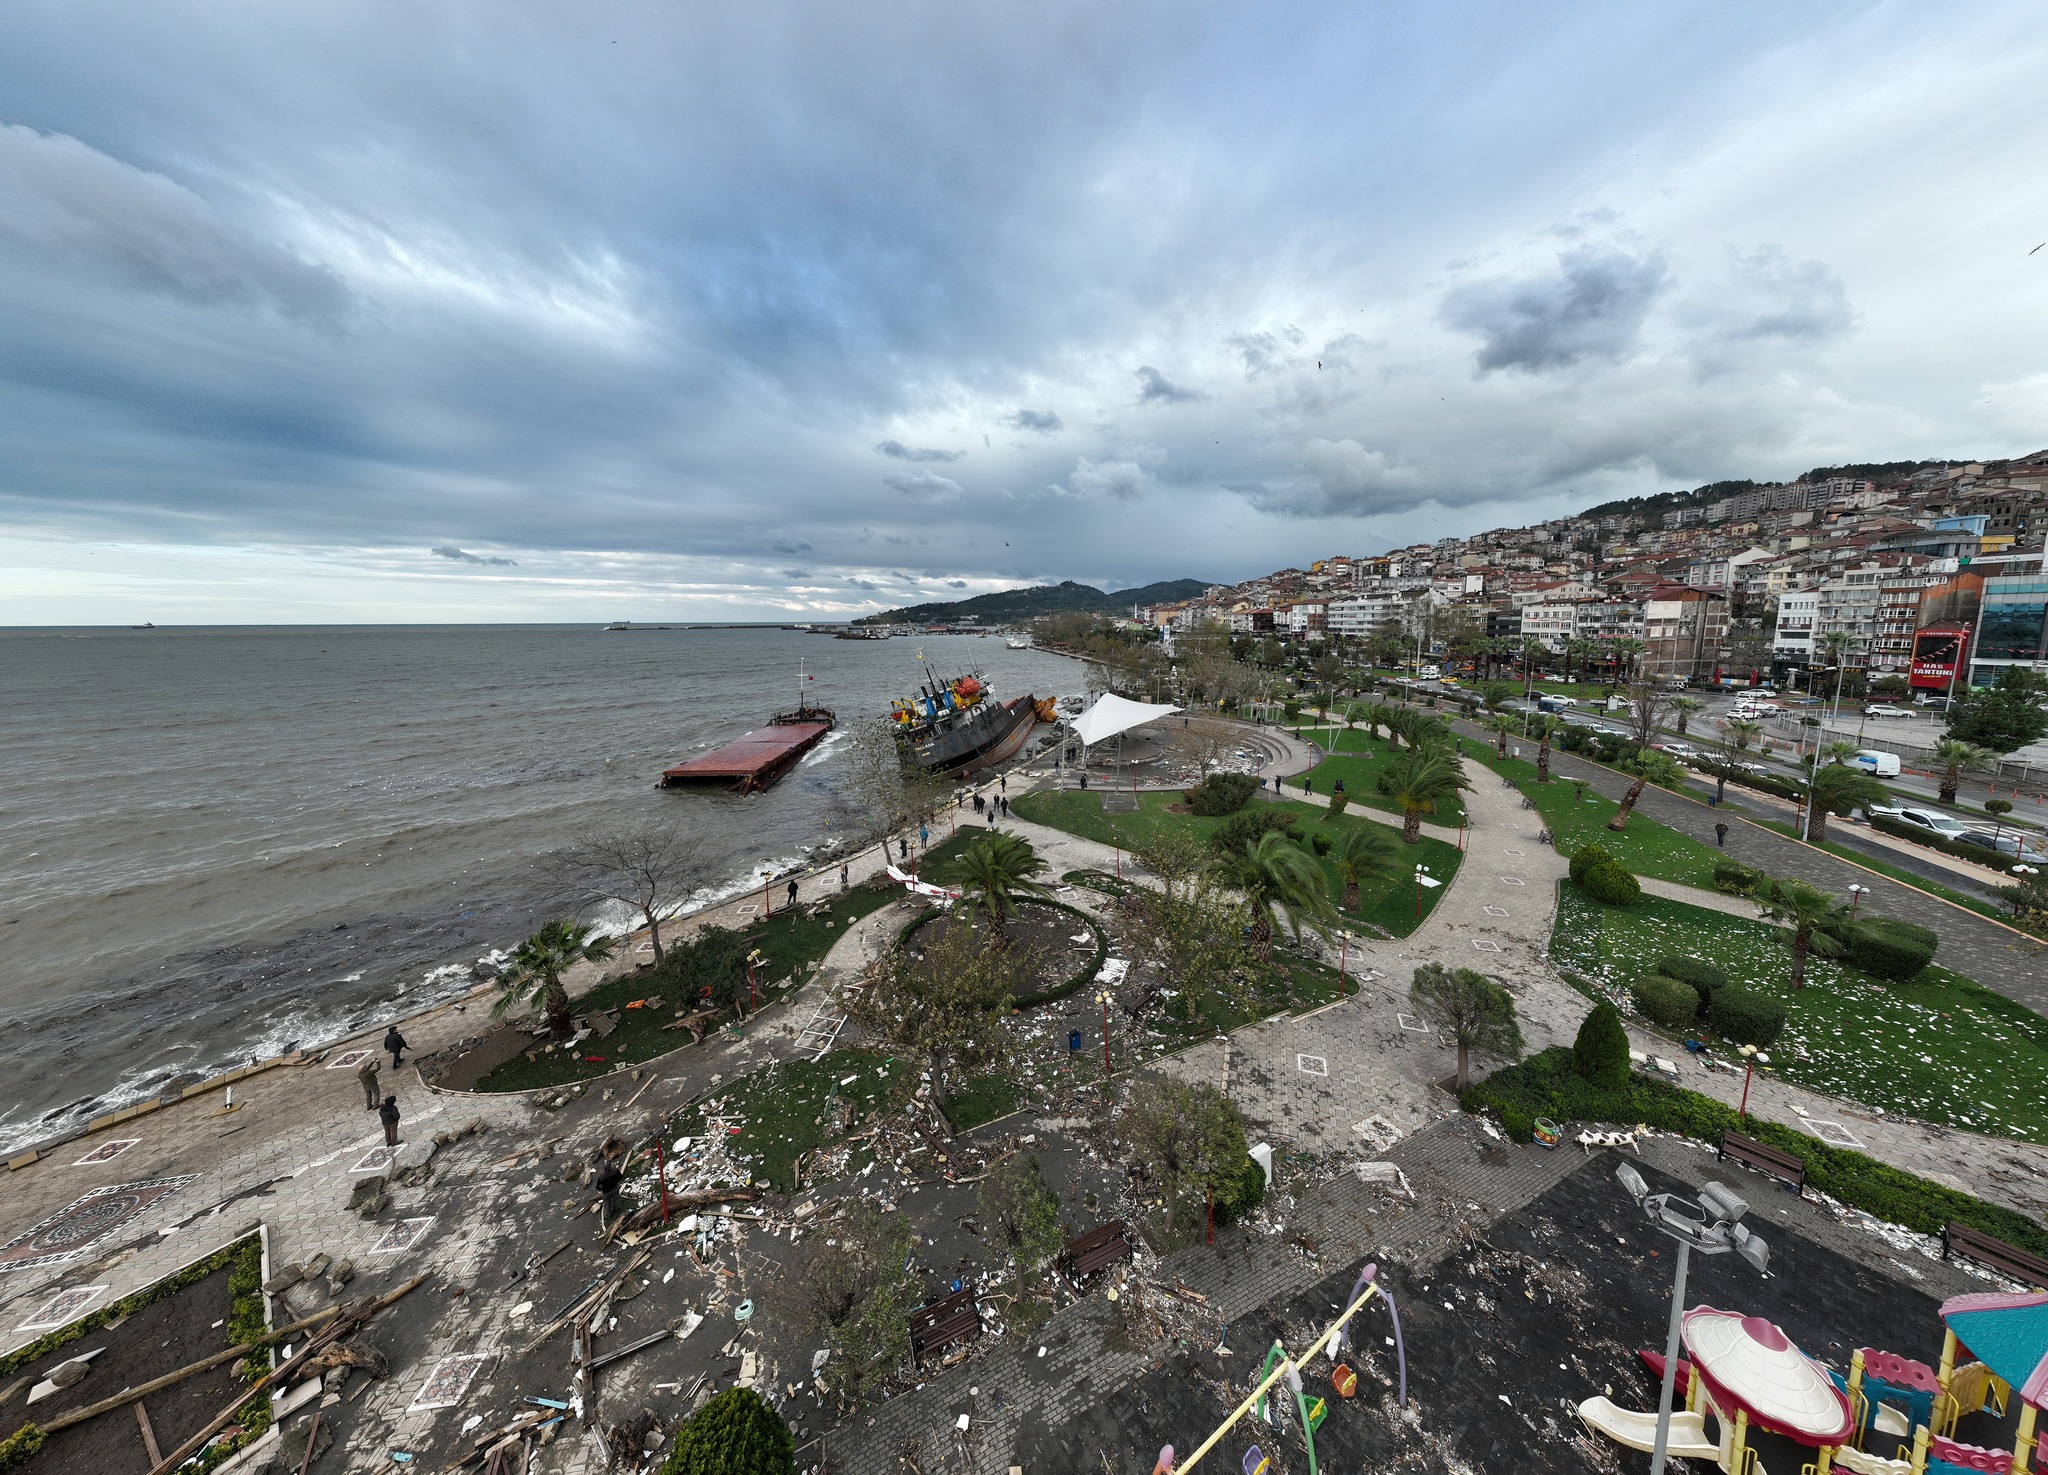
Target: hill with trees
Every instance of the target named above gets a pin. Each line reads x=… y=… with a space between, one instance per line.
x=1013 y=606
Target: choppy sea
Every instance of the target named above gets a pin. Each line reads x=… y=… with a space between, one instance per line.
x=215 y=842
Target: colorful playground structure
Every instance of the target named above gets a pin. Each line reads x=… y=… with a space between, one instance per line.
x=1744 y=1375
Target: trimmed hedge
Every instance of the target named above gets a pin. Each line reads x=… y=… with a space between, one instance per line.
x=1998 y=860
x=1586 y=857
x=1610 y=885
x=1733 y=878
x=736 y=1433
x=1768 y=783
x=1600 y=1053
x=1888 y=948
x=1701 y=974
x=1665 y=1001
x=1746 y=1017
x=1221 y=793
x=1547 y=1085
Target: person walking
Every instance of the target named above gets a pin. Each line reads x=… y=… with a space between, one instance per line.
x=395 y=1043
x=1721 y=833
x=1006 y=806
x=903 y=847
x=388 y=1112
x=842 y=875
x=792 y=892
x=606 y=1180
x=1003 y=782
x=366 y=1076
x=1084 y=778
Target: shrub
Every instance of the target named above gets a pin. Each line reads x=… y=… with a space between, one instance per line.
x=1339 y=802
x=1243 y=1193
x=1665 y=1001
x=1291 y=711
x=1547 y=1084
x=1733 y=878
x=1320 y=843
x=1520 y=1125
x=1888 y=948
x=1704 y=977
x=736 y=1433
x=1746 y=1016
x=1611 y=886
x=1242 y=830
x=1221 y=793
x=1998 y=806
x=1575 y=739
x=1586 y=857
x=1998 y=860
x=1600 y=1053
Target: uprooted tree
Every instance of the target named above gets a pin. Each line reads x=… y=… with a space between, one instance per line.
x=862 y=1294
x=1187 y=1140
x=1020 y=1216
x=736 y=1433
x=943 y=998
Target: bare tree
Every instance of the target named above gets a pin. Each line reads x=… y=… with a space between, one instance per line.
x=884 y=792
x=649 y=868
x=1647 y=706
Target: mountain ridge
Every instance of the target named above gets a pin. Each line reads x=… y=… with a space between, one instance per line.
x=1029 y=601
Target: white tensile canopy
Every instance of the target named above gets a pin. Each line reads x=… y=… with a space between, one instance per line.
x=1113 y=714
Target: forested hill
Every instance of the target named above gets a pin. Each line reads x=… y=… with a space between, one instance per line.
x=1011 y=606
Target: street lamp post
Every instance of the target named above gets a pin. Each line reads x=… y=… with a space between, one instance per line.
x=1343 y=952
x=1713 y=1227
x=1104 y=996
x=1856 y=894
x=1751 y=1059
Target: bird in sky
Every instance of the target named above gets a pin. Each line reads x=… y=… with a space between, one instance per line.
x=2044 y=243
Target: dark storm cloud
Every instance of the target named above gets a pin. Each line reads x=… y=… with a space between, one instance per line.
x=1155 y=388
x=956 y=583
x=1044 y=422
x=901 y=452
x=1591 y=307
x=925 y=486
x=456 y=555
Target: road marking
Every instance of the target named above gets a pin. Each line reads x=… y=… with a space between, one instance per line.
x=1484 y=946
x=1494 y=911
x=1832 y=1133
x=1411 y=1024
x=1512 y=881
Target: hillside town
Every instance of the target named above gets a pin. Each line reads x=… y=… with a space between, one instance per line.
x=1917 y=575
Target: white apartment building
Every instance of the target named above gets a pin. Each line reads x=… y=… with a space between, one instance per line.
x=1798 y=612
x=1552 y=621
x=1366 y=615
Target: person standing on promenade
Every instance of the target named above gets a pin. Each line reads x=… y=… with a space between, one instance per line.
x=606 y=1180
x=395 y=1043
x=842 y=875
x=792 y=892
x=366 y=1076
x=1721 y=833
x=388 y=1113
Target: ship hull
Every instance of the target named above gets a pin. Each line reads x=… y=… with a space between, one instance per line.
x=996 y=733
x=750 y=764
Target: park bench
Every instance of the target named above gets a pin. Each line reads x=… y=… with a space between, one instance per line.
x=1769 y=1161
x=1994 y=1254
x=1103 y=1245
x=951 y=1319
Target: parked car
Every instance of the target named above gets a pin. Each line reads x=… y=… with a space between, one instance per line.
x=1933 y=821
x=1886 y=709
x=1678 y=750
x=2016 y=846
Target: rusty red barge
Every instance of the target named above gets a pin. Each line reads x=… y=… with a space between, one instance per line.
x=750 y=764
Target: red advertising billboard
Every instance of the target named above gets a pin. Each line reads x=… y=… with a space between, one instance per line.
x=1937 y=652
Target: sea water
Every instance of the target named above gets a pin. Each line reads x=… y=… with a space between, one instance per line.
x=217 y=842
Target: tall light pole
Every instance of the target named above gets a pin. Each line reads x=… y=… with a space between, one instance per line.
x=1104 y=996
x=1751 y=1059
x=1713 y=1227
x=1856 y=895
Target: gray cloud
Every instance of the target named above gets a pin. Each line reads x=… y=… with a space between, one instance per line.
x=1591 y=307
x=61 y=199
x=902 y=452
x=796 y=573
x=782 y=542
x=1769 y=295
x=1155 y=388
x=956 y=583
x=925 y=486
x=1044 y=422
x=451 y=552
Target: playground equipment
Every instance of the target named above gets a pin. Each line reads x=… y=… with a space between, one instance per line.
x=2009 y=1333
x=1280 y=1366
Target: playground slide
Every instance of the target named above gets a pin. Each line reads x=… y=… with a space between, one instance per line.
x=1850 y=1458
x=1688 y=1439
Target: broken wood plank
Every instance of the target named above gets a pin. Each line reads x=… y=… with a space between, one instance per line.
x=156 y=1456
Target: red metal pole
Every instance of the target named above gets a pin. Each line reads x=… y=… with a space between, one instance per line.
x=1105 y=1033
x=1748 y=1069
x=753 y=999
x=1418 y=896
x=767 y=901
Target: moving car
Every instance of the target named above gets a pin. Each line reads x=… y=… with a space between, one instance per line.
x=1871 y=760
x=1933 y=821
x=1886 y=709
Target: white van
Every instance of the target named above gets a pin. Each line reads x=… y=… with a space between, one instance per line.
x=1884 y=765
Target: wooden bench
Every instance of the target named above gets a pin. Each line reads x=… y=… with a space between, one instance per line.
x=944 y=1322
x=1104 y=1245
x=1769 y=1161
x=1994 y=1254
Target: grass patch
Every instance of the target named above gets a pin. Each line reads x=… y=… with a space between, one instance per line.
x=790 y=940
x=781 y=1110
x=1389 y=905
x=982 y=1100
x=1645 y=847
x=1943 y=1048
x=1358 y=762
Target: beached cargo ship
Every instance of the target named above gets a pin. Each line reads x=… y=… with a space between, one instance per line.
x=957 y=728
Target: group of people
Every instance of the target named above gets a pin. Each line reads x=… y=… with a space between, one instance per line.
x=374 y=1099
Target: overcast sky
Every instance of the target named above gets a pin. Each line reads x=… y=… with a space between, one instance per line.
x=509 y=310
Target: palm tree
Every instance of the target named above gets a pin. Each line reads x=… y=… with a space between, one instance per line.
x=995 y=872
x=1428 y=776
x=1543 y=727
x=1648 y=766
x=1955 y=758
x=1367 y=853
x=537 y=968
x=1503 y=727
x=1742 y=732
x=1686 y=708
x=1625 y=653
x=1276 y=872
x=1836 y=788
x=1580 y=651
x=1811 y=914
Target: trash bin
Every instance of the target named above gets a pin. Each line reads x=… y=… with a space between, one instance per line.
x=1073 y=1039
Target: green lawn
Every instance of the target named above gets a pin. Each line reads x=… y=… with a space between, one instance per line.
x=1389 y=905
x=1644 y=847
x=783 y=1107
x=787 y=939
x=1943 y=1048
x=1358 y=762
